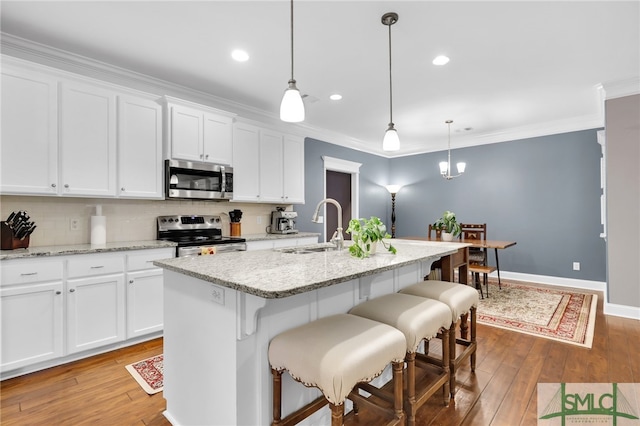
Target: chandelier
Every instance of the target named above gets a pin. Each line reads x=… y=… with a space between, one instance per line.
x=445 y=166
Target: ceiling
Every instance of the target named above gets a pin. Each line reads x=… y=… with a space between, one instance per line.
x=517 y=69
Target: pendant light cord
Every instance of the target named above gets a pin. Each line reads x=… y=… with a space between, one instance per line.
x=390 y=81
x=292 y=40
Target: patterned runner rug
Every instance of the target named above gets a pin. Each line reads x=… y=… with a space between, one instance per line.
x=564 y=315
x=148 y=373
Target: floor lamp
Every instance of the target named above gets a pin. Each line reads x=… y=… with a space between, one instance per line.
x=393 y=190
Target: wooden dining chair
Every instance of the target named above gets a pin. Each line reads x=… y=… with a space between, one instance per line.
x=478 y=257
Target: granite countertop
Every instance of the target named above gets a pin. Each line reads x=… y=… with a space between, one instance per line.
x=264 y=237
x=83 y=249
x=275 y=273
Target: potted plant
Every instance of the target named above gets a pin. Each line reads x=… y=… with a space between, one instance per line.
x=365 y=234
x=448 y=226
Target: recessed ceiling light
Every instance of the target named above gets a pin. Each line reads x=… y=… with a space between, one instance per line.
x=240 y=55
x=335 y=97
x=440 y=60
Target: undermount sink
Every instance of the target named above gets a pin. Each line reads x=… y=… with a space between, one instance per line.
x=306 y=250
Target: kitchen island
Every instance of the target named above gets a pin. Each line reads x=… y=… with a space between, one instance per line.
x=221 y=311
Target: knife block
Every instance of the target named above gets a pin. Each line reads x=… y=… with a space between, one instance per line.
x=8 y=241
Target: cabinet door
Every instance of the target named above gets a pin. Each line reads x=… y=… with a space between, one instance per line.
x=144 y=302
x=246 y=160
x=87 y=140
x=29 y=161
x=293 y=169
x=217 y=141
x=31 y=324
x=139 y=148
x=95 y=312
x=271 y=167
x=186 y=133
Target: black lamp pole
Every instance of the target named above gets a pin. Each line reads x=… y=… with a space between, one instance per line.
x=393 y=215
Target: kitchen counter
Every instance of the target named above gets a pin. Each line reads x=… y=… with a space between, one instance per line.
x=276 y=273
x=82 y=249
x=221 y=312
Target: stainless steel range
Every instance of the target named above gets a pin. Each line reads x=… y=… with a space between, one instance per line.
x=197 y=234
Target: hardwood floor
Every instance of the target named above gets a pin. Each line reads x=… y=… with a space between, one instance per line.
x=502 y=391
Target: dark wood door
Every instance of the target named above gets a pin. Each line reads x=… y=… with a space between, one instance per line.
x=338 y=188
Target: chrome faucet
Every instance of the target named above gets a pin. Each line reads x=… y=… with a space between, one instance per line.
x=338 y=238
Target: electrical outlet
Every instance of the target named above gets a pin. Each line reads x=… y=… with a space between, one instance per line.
x=576 y=266
x=74 y=224
x=259 y=220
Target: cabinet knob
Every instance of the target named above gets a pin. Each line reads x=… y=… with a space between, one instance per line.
x=201 y=156
x=53 y=185
x=130 y=281
x=66 y=185
x=58 y=292
x=206 y=157
x=122 y=189
x=71 y=290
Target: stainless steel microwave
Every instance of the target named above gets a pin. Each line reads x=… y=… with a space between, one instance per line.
x=199 y=181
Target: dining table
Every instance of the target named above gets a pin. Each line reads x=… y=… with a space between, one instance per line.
x=484 y=244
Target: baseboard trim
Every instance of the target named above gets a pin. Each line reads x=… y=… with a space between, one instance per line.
x=558 y=281
x=631 y=312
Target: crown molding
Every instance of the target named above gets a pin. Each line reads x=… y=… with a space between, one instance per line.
x=621 y=88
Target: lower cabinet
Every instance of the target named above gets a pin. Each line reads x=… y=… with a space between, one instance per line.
x=60 y=308
x=95 y=312
x=32 y=327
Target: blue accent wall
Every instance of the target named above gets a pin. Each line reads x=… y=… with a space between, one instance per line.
x=542 y=192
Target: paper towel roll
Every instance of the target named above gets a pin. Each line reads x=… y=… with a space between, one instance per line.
x=98 y=229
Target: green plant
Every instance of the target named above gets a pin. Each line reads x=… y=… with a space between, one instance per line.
x=448 y=223
x=366 y=232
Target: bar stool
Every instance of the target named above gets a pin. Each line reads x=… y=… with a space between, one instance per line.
x=461 y=299
x=338 y=354
x=418 y=319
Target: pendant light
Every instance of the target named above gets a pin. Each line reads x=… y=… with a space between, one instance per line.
x=445 y=166
x=292 y=107
x=391 y=142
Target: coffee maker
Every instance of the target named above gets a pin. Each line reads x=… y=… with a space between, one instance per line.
x=283 y=222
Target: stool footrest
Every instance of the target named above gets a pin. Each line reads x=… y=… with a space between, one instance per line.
x=303 y=412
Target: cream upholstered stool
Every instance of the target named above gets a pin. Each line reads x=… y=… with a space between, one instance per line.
x=418 y=319
x=462 y=300
x=337 y=354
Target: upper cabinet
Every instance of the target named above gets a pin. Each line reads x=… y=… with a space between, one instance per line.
x=29 y=160
x=198 y=133
x=87 y=140
x=268 y=165
x=64 y=134
x=140 y=168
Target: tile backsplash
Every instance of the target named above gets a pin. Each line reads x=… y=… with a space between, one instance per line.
x=127 y=220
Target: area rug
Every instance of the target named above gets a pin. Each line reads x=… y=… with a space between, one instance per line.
x=563 y=315
x=148 y=373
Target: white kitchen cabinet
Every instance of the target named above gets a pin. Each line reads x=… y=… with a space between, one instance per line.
x=31 y=304
x=268 y=166
x=29 y=161
x=140 y=167
x=145 y=292
x=198 y=133
x=95 y=301
x=87 y=140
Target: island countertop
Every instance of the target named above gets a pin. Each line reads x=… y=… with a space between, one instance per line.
x=272 y=274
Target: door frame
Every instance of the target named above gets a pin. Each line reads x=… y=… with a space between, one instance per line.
x=343 y=166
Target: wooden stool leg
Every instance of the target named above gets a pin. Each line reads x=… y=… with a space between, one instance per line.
x=411 y=388
x=277 y=396
x=485 y=278
x=337 y=414
x=446 y=388
x=398 y=367
x=452 y=359
x=473 y=337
